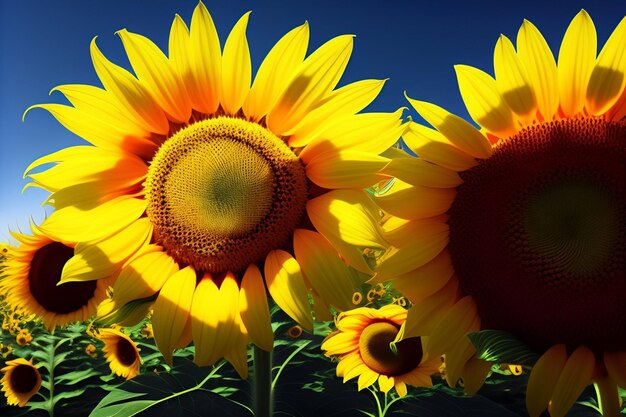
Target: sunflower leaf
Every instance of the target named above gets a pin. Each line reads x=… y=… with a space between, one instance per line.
x=502 y=347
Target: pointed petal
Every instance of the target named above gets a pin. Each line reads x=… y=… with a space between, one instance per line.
x=317 y=77
x=171 y=310
x=341 y=343
x=400 y=200
x=484 y=102
x=346 y=169
x=535 y=55
x=179 y=49
x=577 y=57
x=474 y=374
x=453 y=326
x=130 y=93
x=321 y=265
x=417 y=171
x=459 y=132
x=236 y=67
x=367 y=378
x=512 y=80
x=425 y=280
x=276 y=72
x=143 y=277
x=254 y=309
x=543 y=379
x=285 y=283
x=608 y=78
x=205 y=62
x=421 y=317
x=615 y=363
x=93 y=261
x=237 y=353
x=155 y=73
x=576 y=375
x=456 y=359
x=82 y=224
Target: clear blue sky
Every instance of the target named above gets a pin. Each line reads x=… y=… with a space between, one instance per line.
x=414 y=43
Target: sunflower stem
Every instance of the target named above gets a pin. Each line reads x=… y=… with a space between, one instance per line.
x=263 y=401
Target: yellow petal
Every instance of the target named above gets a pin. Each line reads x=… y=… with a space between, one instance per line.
x=608 y=78
x=417 y=171
x=512 y=80
x=171 y=310
x=179 y=49
x=425 y=280
x=254 y=309
x=474 y=374
x=577 y=57
x=459 y=132
x=317 y=77
x=236 y=67
x=276 y=72
x=484 y=102
x=285 y=283
x=93 y=261
x=341 y=343
x=347 y=363
x=456 y=359
x=422 y=316
x=453 y=326
x=320 y=308
x=367 y=378
x=345 y=101
x=609 y=401
x=434 y=147
x=143 y=277
x=365 y=132
x=616 y=366
x=413 y=245
x=237 y=353
x=401 y=389
x=214 y=329
x=414 y=201
x=130 y=93
x=155 y=73
x=346 y=169
x=82 y=224
x=110 y=169
x=385 y=383
x=543 y=379
x=535 y=55
x=321 y=265
x=205 y=62
x=576 y=375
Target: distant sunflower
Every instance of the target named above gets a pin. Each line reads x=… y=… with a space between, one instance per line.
x=21 y=380
x=363 y=345
x=31 y=276
x=221 y=187
x=121 y=353
x=526 y=217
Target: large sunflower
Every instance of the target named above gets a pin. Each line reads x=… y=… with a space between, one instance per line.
x=363 y=346
x=31 y=277
x=20 y=381
x=520 y=226
x=238 y=186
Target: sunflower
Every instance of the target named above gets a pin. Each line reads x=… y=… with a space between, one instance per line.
x=520 y=227
x=31 y=277
x=24 y=337
x=121 y=353
x=207 y=189
x=21 y=380
x=363 y=345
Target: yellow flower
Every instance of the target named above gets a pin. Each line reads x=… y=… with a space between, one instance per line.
x=363 y=344
x=23 y=338
x=147 y=331
x=357 y=298
x=21 y=380
x=91 y=350
x=31 y=277
x=5 y=350
x=196 y=177
x=523 y=218
x=121 y=353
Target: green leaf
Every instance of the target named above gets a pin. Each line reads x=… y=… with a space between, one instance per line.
x=502 y=347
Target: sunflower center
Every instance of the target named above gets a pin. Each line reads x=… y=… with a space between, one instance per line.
x=223 y=192
x=376 y=352
x=125 y=352
x=44 y=275
x=23 y=379
x=538 y=235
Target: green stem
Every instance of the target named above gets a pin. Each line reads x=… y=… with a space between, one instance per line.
x=263 y=387
x=284 y=364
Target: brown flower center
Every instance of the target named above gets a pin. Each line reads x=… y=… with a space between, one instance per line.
x=125 y=352
x=24 y=379
x=538 y=233
x=377 y=354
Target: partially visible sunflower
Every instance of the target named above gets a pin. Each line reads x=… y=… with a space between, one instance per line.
x=23 y=337
x=32 y=275
x=215 y=188
x=520 y=226
x=21 y=380
x=121 y=353
x=363 y=343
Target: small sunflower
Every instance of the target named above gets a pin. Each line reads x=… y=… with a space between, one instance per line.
x=364 y=345
x=23 y=338
x=121 y=353
x=21 y=380
x=31 y=278
x=524 y=218
x=207 y=188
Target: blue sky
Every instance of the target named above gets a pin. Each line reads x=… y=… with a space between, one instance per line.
x=413 y=43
